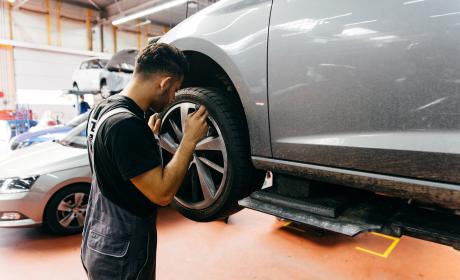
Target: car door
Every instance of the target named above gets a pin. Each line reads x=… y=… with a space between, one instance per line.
x=367 y=85
x=92 y=75
x=80 y=75
x=83 y=76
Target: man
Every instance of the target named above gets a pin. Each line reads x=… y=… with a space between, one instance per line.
x=84 y=106
x=119 y=238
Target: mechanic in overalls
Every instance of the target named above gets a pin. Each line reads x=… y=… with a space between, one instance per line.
x=129 y=181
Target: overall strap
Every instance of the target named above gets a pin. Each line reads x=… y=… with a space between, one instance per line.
x=93 y=128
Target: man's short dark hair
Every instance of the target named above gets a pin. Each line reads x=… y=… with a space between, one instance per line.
x=161 y=58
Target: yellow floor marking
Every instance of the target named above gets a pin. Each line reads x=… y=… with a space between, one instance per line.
x=387 y=251
x=287 y=225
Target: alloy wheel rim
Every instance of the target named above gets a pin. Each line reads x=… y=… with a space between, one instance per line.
x=207 y=172
x=71 y=210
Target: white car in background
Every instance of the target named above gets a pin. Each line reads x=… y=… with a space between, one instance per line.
x=47 y=183
x=91 y=75
x=105 y=76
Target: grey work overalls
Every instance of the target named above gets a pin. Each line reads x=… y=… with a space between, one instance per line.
x=116 y=244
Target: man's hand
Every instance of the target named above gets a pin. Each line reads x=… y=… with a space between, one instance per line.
x=196 y=126
x=154 y=123
x=160 y=184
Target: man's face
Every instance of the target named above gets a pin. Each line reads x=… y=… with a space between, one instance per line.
x=168 y=94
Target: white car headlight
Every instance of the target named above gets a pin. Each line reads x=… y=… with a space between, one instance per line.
x=16 y=185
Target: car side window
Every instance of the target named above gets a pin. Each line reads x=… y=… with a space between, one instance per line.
x=103 y=62
x=93 y=64
x=84 y=65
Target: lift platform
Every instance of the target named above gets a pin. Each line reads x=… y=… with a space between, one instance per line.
x=83 y=92
x=351 y=212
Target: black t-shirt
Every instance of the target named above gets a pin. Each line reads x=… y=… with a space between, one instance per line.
x=124 y=148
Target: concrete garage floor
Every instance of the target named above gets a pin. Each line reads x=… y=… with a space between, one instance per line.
x=251 y=246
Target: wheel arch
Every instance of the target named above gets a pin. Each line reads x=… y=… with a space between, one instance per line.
x=216 y=68
x=205 y=72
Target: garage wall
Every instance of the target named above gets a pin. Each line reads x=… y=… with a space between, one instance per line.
x=108 y=38
x=30 y=24
x=40 y=68
x=75 y=35
x=4 y=30
x=42 y=78
x=45 y=70
x=29 y=27
x=127 y=40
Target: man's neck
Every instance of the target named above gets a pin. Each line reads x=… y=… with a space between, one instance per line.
x=136 y=93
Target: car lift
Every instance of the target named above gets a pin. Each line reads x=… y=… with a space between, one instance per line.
x=352 y=211
x=78 y=93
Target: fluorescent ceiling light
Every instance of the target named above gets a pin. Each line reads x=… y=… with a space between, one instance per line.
x=142 y=23
x=150 y=11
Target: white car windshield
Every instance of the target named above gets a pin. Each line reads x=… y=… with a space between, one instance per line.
x=123 y=60
x=76 y=137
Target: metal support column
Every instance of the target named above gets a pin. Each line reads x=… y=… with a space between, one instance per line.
x=59 y=23
x=114 y=30
x=48 y=20
x=89 y=29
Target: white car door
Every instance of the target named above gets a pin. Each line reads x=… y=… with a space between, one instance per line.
x=92 y=75
x=84 y=75
x=79 y=75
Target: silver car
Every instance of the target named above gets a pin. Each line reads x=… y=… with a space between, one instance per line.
x=47 y=184
x=329 y=95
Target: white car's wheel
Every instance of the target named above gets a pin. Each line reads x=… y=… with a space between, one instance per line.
x=66 y=210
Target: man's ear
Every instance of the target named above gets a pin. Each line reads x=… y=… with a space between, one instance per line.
x=165 y=82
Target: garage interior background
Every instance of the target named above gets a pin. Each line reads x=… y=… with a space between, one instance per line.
x=43 y=41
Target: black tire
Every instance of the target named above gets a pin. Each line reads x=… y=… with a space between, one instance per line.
x=240 y=178
x=53 y=216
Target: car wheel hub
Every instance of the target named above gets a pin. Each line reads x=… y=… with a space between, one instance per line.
x=71 y=210
x=207 y=171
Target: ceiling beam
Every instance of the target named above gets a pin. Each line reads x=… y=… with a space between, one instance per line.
x=80 y=4
x=95 y=5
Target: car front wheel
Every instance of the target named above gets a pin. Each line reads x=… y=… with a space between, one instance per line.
x=221 y=171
